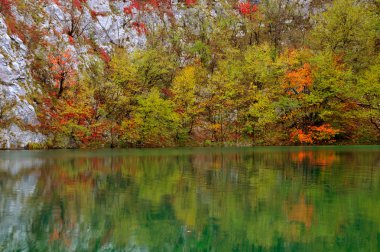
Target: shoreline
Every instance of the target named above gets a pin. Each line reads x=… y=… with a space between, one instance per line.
x=194 y=147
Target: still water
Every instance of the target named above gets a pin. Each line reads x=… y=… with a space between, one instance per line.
x=207 y=199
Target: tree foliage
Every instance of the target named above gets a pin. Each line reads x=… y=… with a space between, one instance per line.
x=265 y=72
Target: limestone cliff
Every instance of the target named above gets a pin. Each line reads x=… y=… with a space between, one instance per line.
x=30 y=29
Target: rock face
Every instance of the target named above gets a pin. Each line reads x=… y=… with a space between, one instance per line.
x=14 y=137
x=84 y=27
x=14 y=87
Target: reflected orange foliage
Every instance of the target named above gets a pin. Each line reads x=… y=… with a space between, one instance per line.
x=301 y=156
x=301 y=213
x=54 y=235
x=82 y=179
x=314 y=158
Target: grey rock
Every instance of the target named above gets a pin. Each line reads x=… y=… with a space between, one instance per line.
x=14 y=137
x=14 y=79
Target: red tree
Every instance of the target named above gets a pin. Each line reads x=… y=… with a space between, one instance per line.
x=5 y=7
x=62 y=67
x=246 y=8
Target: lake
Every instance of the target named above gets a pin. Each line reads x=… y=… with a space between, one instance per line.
x=201 y=199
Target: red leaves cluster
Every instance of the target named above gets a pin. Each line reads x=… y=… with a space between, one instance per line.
x=78 y=4
x=63 y=4
x=56 y=2
x=246 y=8
x=150 y=5
x=298 y=135
x=128 y=10
x=167 y=92
x=5 y=7
x=71 y=117
x=104 y=55
x=135 y=5
x=139 y=27
x=13 y=26
x=95 y=14
x=315 y=134
x=147 y=6
x=62 y=69
x=190 y=2
x=71 y=40
x=324 y=133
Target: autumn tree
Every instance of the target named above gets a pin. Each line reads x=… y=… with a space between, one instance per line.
x=154 y=69
x=5 y=7
x=367 y=97
x=63 y=70
x=70 y=120
x=223 y=99
x=323 y=134
x=186 y=96
x=156 y=119
x=280 y=23
x=116 y=88
x=348 y=29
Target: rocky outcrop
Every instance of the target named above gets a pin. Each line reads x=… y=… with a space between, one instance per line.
x=14 y=87
x=103 y=21
x=92 y=28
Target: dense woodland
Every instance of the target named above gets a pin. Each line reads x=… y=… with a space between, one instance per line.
x=271 y=72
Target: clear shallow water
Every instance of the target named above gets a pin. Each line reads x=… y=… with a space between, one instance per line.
x=210 y=199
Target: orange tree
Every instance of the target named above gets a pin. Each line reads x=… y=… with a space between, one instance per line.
x=311 y=106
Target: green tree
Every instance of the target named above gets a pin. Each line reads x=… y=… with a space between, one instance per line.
x=350 y=29
x=156 y=119
x=116 y=87
x=367 y=93
x=155 y=68
x=262 y=72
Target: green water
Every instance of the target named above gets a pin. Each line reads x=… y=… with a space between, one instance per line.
x=210 y=199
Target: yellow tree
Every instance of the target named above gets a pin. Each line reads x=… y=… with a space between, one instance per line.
x=185 y=88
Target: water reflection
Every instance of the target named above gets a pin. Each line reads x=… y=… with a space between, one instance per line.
x=281 y=199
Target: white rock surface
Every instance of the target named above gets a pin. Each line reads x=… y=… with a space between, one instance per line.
x=14 y=137
x=14 y=79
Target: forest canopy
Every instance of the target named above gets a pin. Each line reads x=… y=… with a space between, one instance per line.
x=268 y=72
